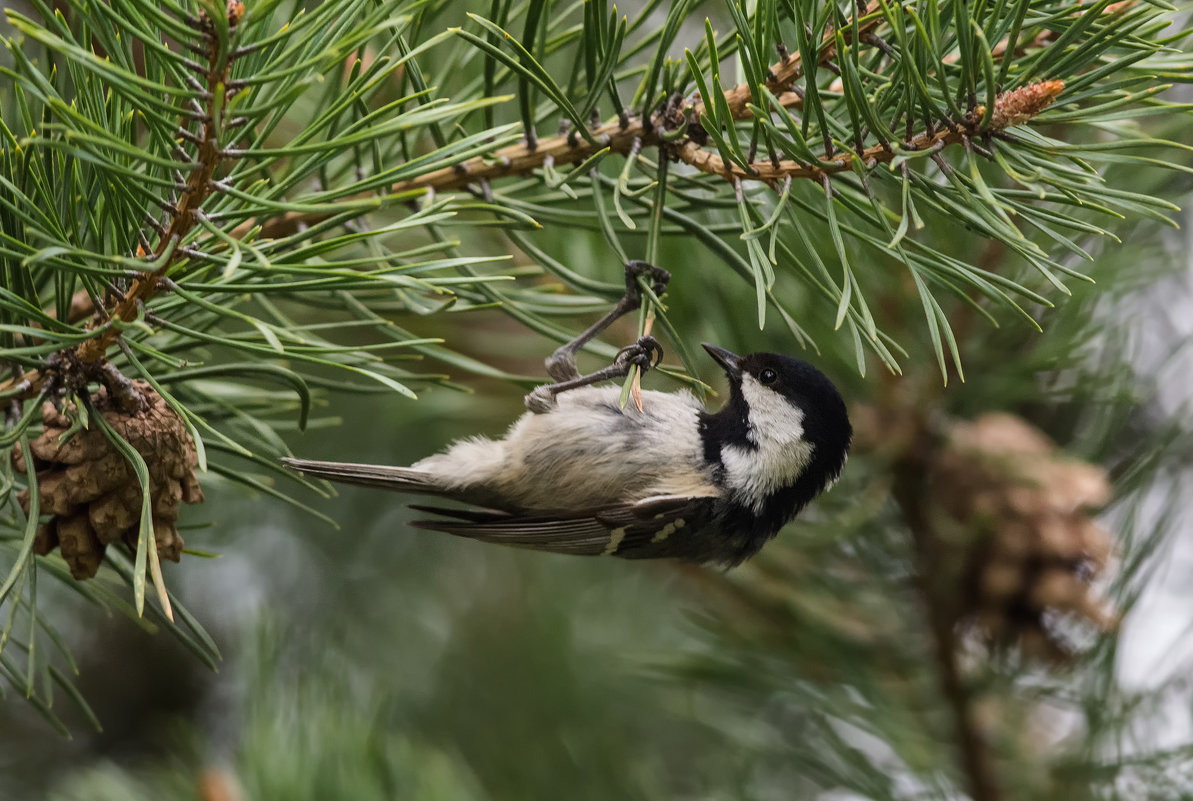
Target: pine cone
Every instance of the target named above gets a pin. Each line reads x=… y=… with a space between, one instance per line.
x=1039 y=549
x=91 y=490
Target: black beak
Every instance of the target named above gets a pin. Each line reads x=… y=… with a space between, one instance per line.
x=730 y=362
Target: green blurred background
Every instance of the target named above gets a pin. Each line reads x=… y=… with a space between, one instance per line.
x=372 y=661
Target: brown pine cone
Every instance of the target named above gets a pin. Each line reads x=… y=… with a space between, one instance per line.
x=1038 y=548
x=92 y=491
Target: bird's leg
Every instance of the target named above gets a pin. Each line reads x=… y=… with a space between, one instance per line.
x=645 y=353
x=561 y=365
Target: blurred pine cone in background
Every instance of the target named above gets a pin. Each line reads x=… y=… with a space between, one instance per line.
x=1035 y=547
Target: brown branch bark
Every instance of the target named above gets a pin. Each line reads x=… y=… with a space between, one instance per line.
x=1011 y=108
x=519 y=159
x=935 y=580
x=185 y=216
x=565 y=149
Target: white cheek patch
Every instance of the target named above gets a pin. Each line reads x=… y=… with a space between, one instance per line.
x=782 y=454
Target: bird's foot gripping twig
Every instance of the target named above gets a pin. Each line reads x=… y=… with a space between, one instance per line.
x=561 y=365
x=658 y=276
x=645 y=354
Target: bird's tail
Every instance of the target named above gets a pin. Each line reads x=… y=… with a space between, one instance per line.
x=401 y=479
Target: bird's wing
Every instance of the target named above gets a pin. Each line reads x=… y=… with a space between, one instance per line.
x=662 y=526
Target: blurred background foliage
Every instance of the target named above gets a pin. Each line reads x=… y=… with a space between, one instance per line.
x=367 y=660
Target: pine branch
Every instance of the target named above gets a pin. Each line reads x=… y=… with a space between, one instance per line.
x=667 y=130
x=622 y=134
x=1013 y=107
x=184 y=214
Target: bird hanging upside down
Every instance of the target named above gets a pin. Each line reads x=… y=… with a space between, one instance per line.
x=579 y=474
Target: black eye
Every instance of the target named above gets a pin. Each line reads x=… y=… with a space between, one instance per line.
x=768 y=376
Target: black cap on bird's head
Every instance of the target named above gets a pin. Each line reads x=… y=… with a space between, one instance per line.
x=793 y=378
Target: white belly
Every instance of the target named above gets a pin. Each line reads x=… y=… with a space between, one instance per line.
x=588 y=452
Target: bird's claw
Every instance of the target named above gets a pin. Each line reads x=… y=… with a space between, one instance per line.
x=657 y=275
x=645 y=353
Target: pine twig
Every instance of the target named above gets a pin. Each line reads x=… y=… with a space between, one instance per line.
x=184 y=214
x=619 y=134
x=1011 y=108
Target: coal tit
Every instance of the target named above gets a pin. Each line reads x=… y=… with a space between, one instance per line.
x=579 y=474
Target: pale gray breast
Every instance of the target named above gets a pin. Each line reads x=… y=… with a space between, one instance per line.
x=589 y=452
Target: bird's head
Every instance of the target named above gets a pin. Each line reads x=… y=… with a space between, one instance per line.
x=784 y=434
